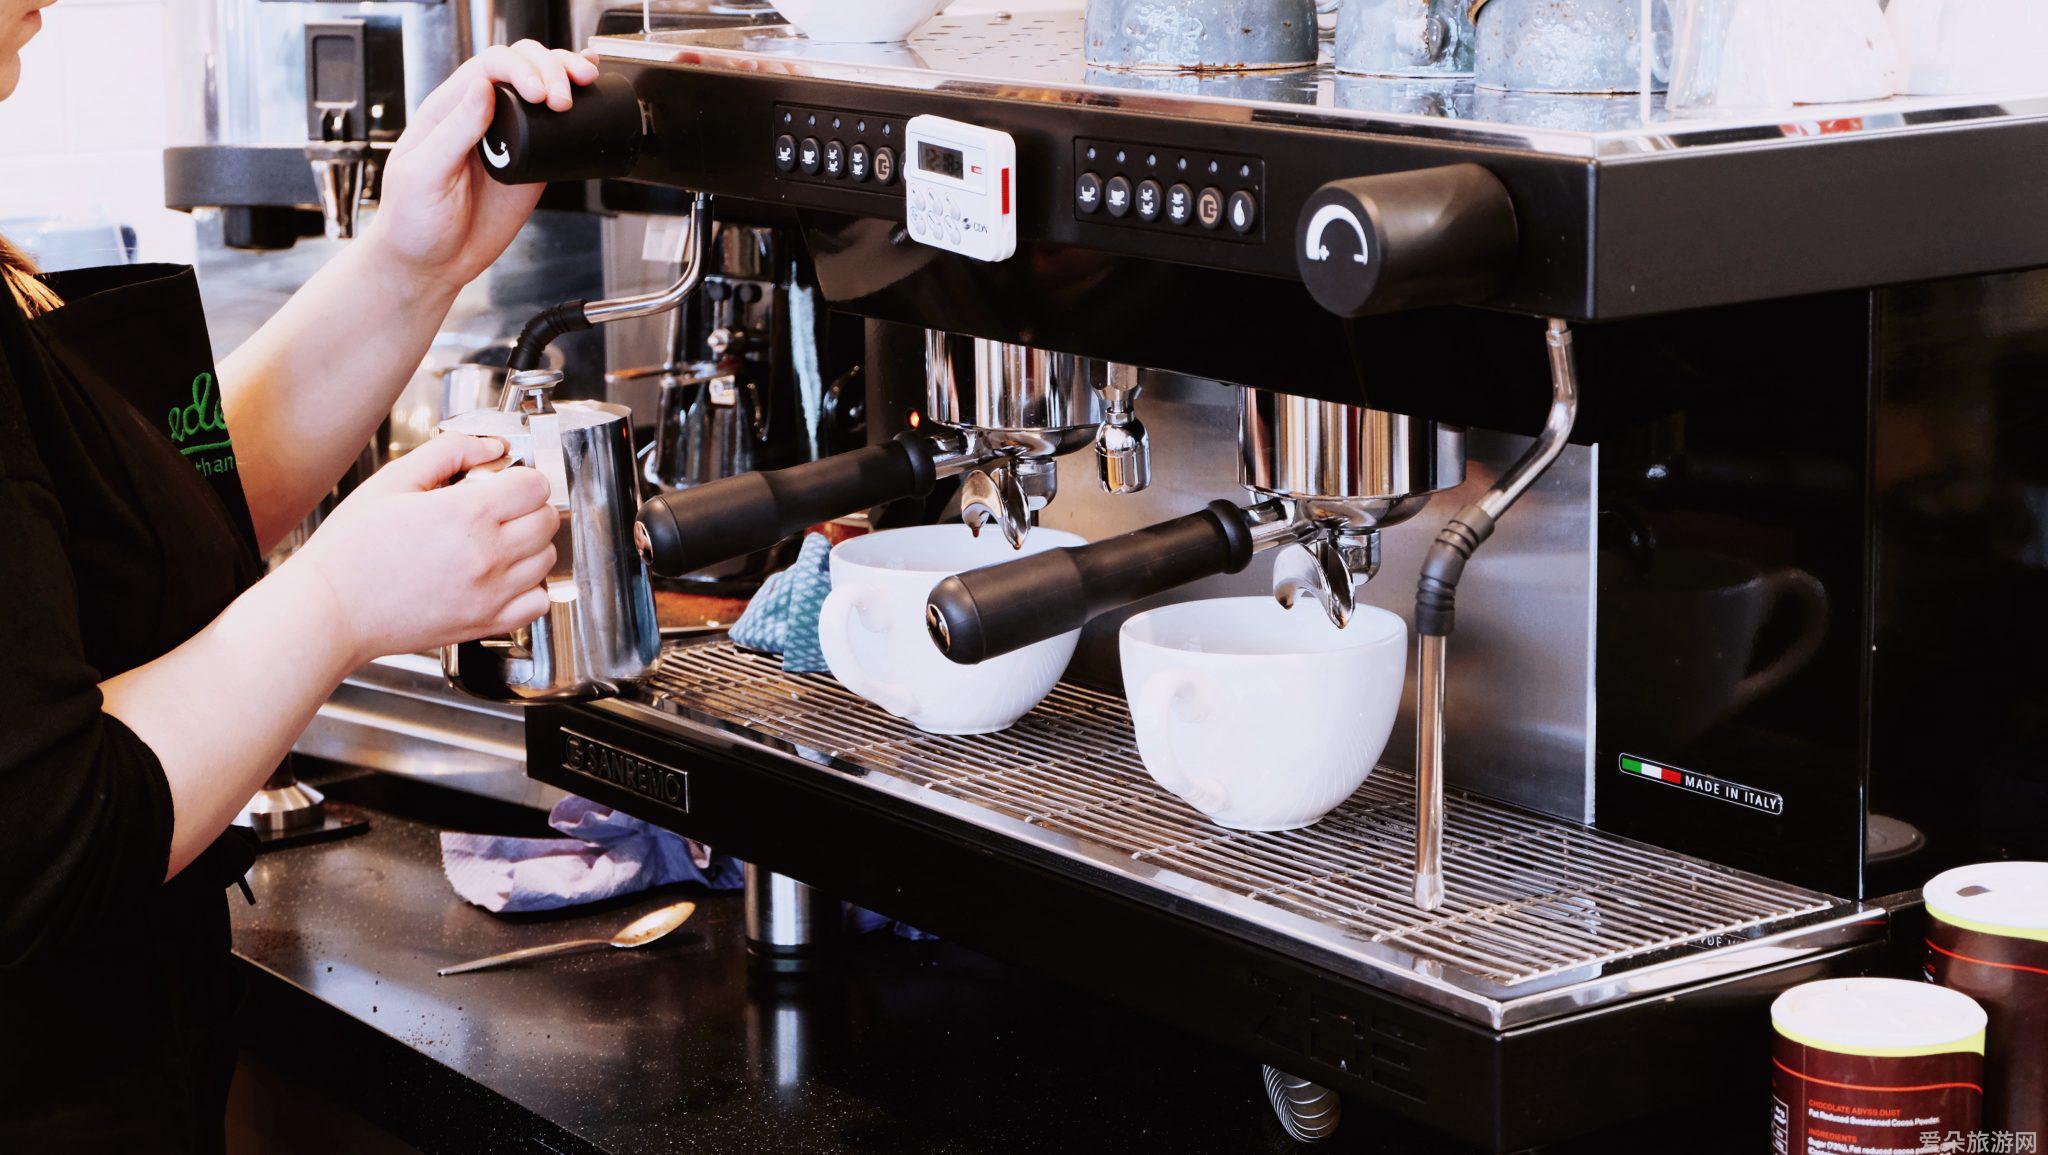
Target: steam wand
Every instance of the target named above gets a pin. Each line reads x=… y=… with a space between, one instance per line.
x=1436 y=603
x=576 y=316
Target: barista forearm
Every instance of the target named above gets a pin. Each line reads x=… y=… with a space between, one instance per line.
x=308 y=391
x=223 y=709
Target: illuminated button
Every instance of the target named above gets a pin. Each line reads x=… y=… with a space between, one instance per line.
x=1117 y=195
x=835 y=159
x=1088 y=192
x=1180 y=204
x=808 y=155
x=885 y=164
x=1243 y=211
x=857 y=162
x=785 y=152
x=1148 y=196
x=1209 y=207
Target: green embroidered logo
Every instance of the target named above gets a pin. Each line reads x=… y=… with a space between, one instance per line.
x=201 y=422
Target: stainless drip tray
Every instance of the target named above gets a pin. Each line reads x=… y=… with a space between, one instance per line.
x=1542 y=916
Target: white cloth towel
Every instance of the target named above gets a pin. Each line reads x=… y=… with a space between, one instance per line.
x=607 y=853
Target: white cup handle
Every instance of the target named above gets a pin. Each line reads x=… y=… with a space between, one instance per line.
x=844 y=611
x=1159 y=699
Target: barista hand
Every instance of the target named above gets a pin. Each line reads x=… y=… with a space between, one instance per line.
x=413 y=563
x=441 y=220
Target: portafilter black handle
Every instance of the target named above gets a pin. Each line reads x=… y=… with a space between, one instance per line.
x=598 y=136
x=687 y=530
x=985 y=613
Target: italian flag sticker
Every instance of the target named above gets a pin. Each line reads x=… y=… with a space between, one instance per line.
x=1651 y=770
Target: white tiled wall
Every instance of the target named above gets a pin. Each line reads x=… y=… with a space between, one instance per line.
x=81 y=139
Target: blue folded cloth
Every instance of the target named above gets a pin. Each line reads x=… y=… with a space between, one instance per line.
x=783 y=616
x=607 y=853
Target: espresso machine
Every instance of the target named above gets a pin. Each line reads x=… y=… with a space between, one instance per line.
x=1683 y=424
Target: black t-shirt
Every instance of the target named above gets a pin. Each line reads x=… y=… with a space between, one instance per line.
x=123 y=532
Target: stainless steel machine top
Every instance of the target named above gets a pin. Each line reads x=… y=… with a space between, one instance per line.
x=1039 y=56
x=1379 y=194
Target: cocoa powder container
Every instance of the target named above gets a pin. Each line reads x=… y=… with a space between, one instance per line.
x=1874 y=1066
x=1987 y=937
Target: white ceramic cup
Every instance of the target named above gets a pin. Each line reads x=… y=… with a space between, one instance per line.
x=1769 y=54
x=1953 y=47
x=873 y=634
x=1261 y=717
x=858 y=21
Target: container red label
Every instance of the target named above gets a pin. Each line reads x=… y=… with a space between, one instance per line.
x=1829 y=1103
x=2008 y=976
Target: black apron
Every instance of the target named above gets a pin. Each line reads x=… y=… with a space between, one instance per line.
x=133 y=340
x=138 y=332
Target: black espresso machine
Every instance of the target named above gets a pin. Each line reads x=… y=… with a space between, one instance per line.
x=1750 y=403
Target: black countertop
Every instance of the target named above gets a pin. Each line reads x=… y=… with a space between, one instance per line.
x=902 y=1046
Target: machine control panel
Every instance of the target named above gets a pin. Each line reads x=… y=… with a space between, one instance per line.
x=1221 y=196
x=960 y=179
x=835 y=146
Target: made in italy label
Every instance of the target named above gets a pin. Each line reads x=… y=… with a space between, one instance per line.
x=1704 y=785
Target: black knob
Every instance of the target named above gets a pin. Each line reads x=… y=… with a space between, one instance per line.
x=598 y=137
x=1404 y=240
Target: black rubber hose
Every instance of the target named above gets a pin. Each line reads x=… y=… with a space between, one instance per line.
x=541 y=332
x=1436 y=594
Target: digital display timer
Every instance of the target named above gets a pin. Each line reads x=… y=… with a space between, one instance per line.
x=959 y=187
x=941 y=160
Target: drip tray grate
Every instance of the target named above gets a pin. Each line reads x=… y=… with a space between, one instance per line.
x=1527 y=897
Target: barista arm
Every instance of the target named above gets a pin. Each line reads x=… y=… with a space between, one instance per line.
x=308 y=391
x=85 y=809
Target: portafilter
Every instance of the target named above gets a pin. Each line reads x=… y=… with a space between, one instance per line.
x=1325 y=480
x=996 y=415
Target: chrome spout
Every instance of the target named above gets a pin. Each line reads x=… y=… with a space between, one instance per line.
x=1123 y=455
x=1329 y=566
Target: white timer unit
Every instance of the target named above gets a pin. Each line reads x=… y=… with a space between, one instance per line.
x=960 y=181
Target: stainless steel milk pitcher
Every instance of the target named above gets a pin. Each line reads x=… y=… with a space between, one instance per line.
x=600 y=628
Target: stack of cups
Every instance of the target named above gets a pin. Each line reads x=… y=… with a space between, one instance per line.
x=1876 y=1066
x=1987 y=937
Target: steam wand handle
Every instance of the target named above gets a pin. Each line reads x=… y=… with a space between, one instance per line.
x=599 y=136
x=984 y=613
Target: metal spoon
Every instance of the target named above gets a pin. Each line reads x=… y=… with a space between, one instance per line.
x=648 y=928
